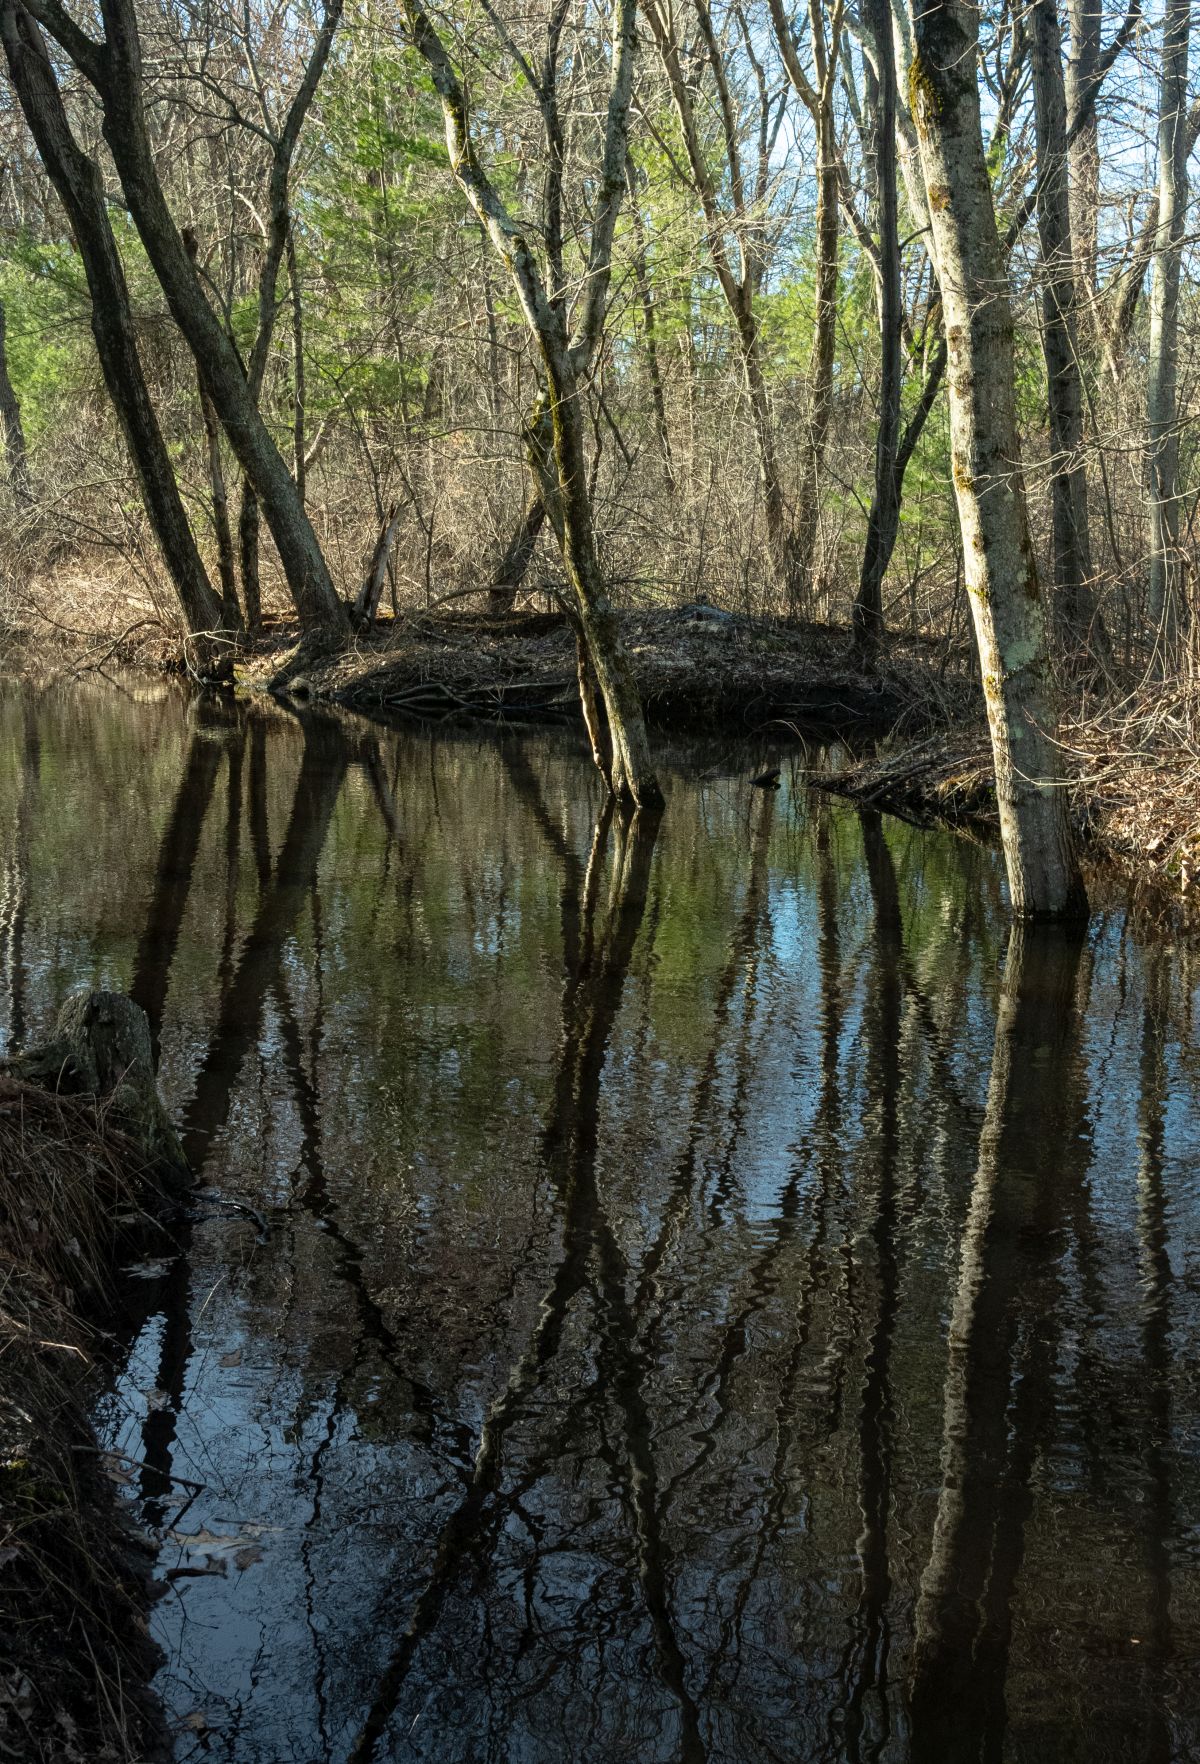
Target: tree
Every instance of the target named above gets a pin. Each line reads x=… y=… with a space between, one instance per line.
x=1162 y=434
x=566 y=344
x=1001 y=575
x=884 y=518
x=77 y=181
x=11 y=428
x=113 y=68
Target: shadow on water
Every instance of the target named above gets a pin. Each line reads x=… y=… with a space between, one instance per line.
x=719 y=1299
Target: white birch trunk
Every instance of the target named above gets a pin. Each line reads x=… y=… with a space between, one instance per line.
x=1006 y=603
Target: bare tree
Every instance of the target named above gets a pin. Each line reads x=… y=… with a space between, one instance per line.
x=76 y=178
x=1006 y=602
x=1162 y=434
x=566 y=344
x=113 y=68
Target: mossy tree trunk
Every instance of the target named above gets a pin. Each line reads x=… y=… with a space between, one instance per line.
x=565 y=358
x=1006 y=603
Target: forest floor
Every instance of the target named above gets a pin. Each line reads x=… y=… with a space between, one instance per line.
x=695 y=667
x=75 y=1652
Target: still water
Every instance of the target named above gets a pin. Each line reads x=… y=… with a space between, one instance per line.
x=694 y=1291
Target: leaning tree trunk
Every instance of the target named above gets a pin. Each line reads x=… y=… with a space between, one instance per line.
x=114 y=69
x=11 y=427
x=517 y=554
x=1077 y=615
x=555 y=437
x=555 y=444
x=1006 y=603
x=884 y=519
x=77 y=182
x=1162 y=432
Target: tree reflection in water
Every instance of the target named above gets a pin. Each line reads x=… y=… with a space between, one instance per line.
x=718 y=1302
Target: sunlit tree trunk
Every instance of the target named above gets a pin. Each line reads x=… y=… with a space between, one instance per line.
x=564 y=360
x=1164 y=607
x=1085 y=18
x=1006 y=604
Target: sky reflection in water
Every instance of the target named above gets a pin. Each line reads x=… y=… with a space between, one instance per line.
x=722 y=1298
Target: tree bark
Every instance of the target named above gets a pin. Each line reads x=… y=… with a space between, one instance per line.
x=1083 y=67
x=11 y=427
x=518 y=555
x=1006 y=603
x=77 y=180
x=884 y=519
x=820 y=368
x=1074 y=604
x=366 y=607
x=556 y=434
x=114 y=69
x=1162 y=434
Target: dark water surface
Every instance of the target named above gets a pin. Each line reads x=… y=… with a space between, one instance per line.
x=720 y=1297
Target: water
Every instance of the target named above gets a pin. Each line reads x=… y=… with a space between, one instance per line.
x=661 y=1293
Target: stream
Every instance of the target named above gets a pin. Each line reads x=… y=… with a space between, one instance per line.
x=694 y=1290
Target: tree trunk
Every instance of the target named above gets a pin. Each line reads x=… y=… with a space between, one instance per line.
x=884 y=519
x=555 y=437
x=1006 y=604
x=77 y=181
x=115 y=70
x=518 y=555
x=226 y=561
x=641 y=270
x=1083 y=66
x=555 y=442
x=366 y=607
x=248 y=524
x=1074 y=605
x=11 y=428
x=820 y=369
x=1162 y=432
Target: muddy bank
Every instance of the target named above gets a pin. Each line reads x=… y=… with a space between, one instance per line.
x=87 y=1168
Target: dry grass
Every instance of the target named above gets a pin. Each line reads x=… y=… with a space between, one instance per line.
x=1136 y=763
x=71 y=1609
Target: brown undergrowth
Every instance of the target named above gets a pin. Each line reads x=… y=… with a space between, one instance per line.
x=73 y=1578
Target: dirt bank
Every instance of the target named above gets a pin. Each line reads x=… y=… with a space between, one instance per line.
x=81 y=1189
x=695 y=666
